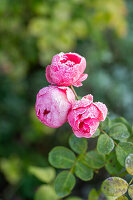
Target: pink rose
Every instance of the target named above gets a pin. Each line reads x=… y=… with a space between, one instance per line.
x=53 y=104
x=85 y=115
x=66 y=69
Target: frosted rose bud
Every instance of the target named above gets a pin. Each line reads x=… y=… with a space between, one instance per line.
x=85 y=115
x=53 y=104
x=66 y=69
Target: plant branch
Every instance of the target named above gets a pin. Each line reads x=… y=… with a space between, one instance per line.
x=74 y=92
x=130 y=181
x=108 y=136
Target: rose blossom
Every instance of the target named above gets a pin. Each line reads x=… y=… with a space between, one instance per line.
x=66 y=69
x=53 y=104
x=85 y=115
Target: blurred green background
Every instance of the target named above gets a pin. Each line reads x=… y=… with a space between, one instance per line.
x=31 y=33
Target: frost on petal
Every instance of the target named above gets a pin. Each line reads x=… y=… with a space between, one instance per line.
x=86 y=128
x=85 y=116
x=66 y=69
x=72 y=119
x=77 y=84
x=57 y=58
x=82 y=78
x=89 y=97
x=69 y=94
x=103 y=110
x=81 y=103
x=81 y=134
x=93 y=124
x=91 y=112
x=78 y=133
x=42 y=91
x=82 y=65
x=52 y=106
x=48 y=74
x=80 y=111
x=74 y=57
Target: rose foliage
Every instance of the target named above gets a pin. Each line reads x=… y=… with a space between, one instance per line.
x=56 y=105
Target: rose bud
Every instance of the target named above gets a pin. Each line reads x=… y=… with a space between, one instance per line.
x=85 y=115
x=66 y=69
x=53 y=104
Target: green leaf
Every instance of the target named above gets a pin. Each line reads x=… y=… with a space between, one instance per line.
x=114 y=186
x=122 y=198
x=130 y=191
x=44 y=174
x=129 y=164
x=73 y=198
x=94 y=159
x=97 y=133
x=119 y=131
x=64 y=183
x=105 y=124
x=111 y=198
x=123 y=121
x=79 y=145
x=46 y=192
x=123 y=150
x=83 y=171
x=61 y=157
x=105 y=144
x=112 y=165
x=93 y=195
x=11 y=169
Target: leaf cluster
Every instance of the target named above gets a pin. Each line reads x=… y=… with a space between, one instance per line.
x=114 y=151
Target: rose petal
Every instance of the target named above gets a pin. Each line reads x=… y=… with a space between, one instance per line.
x=72 y=119
x=103 y=110
x=91 y=112
x=80 y=134
x=69 y=93
x=66 y=69
x=80 y=111
x=89 y=97
x=77 y=84
x=81 y=103
x=74 y=57
x=83 y=77
x=52 y=106
x=48 y=77
x=93 y=124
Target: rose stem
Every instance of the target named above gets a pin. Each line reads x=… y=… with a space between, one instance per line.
x=74 y=92
x=108 y=136
x=130 y=181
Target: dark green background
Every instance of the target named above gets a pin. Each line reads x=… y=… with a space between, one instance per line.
x=31 y=32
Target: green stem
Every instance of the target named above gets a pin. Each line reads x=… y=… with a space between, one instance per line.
x=130 y=181
x=74 y=92
x=108 y=136
x=78 y=158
